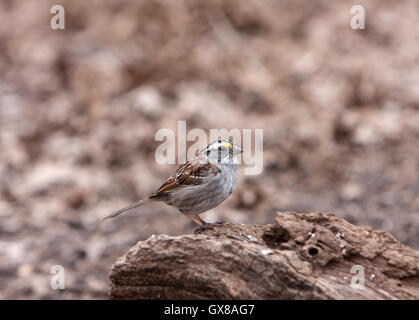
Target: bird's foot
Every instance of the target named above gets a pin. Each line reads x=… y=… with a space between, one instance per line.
x=203 y=227
x=218 y=223
x=208 y=225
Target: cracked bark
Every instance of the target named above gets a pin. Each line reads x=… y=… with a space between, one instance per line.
x=300 y=256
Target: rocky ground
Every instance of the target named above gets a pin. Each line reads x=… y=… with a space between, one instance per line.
x=79 y=109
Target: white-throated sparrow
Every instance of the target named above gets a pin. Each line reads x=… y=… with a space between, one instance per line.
x=200 y=184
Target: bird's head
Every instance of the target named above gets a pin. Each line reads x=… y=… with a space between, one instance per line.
x=221 y=151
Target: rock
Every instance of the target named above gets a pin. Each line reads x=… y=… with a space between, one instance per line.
x=300 y=256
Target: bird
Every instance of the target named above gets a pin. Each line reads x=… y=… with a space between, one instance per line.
x=199 y=184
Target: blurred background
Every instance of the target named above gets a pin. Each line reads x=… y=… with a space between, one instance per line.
x=79 y=109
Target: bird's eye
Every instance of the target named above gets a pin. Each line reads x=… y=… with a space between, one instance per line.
x=208 y=152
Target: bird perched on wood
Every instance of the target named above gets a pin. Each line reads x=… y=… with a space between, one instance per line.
x=200 y=184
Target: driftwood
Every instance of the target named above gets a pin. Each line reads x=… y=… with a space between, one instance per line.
x=301 y=256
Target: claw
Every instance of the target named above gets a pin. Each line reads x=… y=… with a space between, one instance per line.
x=218 y=223
x=204 y=227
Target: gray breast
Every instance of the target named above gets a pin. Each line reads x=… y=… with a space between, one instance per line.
x=198 y=199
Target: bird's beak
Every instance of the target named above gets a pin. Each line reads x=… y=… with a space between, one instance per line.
x=237 y=150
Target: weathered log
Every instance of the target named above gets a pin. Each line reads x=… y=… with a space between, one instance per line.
x=301 y=256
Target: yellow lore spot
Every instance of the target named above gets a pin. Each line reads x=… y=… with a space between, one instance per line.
x=227 y=145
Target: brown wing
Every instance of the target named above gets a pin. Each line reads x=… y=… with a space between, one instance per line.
x=189 y=174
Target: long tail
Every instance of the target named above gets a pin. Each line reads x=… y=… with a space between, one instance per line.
x=131 y=206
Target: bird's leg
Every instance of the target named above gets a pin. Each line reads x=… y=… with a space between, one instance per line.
x=206 y=225
x=199 y=221
x=202 y=224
